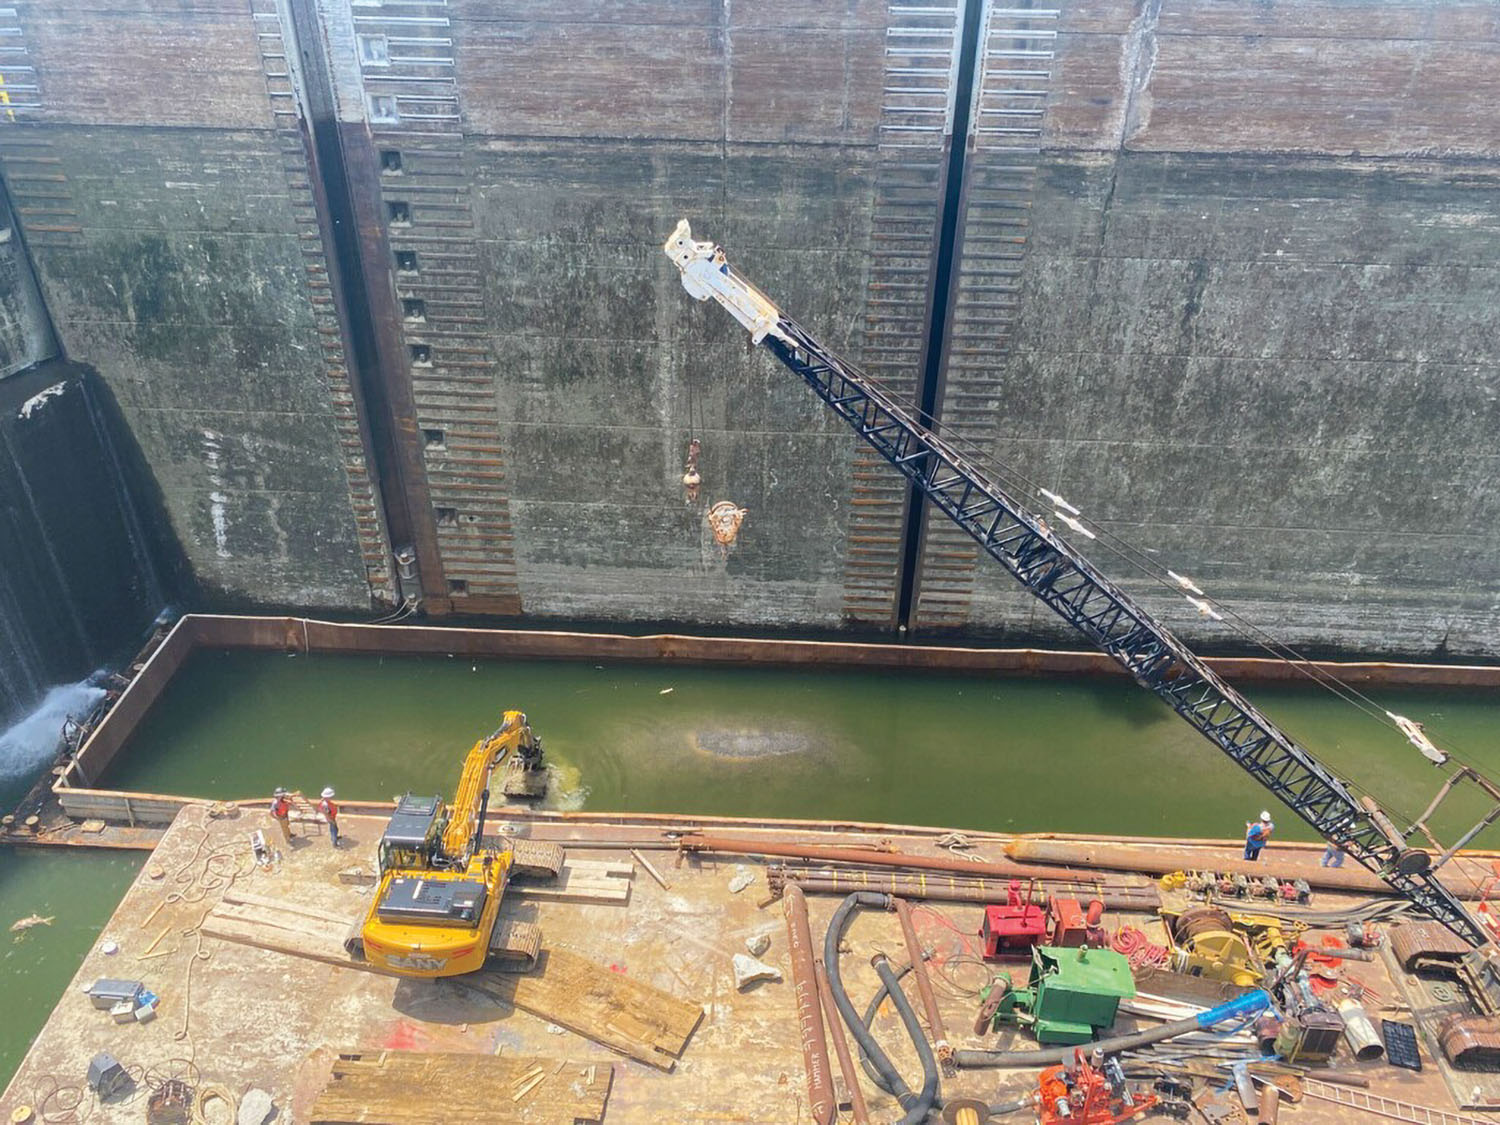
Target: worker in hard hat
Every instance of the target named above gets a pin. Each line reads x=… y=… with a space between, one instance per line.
x=1258 y=834
x=281 y=812
x=330 y=813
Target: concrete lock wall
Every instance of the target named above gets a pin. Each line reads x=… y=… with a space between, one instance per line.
x=360 y=274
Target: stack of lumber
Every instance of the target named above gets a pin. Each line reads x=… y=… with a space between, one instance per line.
x=418 y=1088
x=582 y=880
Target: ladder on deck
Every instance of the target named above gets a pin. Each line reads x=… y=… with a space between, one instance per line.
x=1367 y=1102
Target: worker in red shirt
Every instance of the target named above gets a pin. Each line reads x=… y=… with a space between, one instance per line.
x=281 y=813
x=330 y=813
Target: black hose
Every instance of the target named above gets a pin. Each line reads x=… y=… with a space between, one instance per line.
x=1050 y=1056
x=889 y=1079
x=917 y=1112
x=870 y=1009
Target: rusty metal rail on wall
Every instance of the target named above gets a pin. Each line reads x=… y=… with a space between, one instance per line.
x=307 y=635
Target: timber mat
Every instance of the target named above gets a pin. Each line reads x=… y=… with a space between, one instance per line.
x=626 y=1015
x=417 y=1088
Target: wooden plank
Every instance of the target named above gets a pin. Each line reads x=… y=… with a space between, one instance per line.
x=242 y=899
x=582 y=880
x=624 y=1014
x=316 y=948
x=414 y=1088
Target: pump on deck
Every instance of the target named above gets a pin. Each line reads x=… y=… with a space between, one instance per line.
x=1070 y=996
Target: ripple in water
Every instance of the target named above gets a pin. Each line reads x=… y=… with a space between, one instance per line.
x=747 y=745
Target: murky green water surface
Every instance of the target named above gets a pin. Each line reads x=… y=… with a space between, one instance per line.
x=962 y=751
x=78 y=891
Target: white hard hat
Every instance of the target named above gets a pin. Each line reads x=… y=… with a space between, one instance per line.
x=1264 y=815
x=328 y=792
x=280 y=792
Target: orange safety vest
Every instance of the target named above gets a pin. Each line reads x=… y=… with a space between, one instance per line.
x=281 y=808
x=328 y=809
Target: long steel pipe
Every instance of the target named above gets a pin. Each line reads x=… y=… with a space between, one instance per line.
x=1142 y=900
x=841 y=1046
x=1161 y=861
x=940 y=1042
x=820 y=1097
x=1000 y=869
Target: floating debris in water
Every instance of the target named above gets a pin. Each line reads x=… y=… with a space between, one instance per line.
x=666 y=691
x=21 y=925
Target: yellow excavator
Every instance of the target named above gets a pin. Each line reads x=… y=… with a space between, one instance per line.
x=435 y=909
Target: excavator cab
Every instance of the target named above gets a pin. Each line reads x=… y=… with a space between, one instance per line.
x=414 y=833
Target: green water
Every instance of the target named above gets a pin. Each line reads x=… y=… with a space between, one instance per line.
x=78 y=892
x=962 y=751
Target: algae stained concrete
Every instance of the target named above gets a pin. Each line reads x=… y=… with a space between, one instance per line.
x=1252 y=331
x=168 y=210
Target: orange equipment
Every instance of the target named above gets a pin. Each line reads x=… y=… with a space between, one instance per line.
x=1079 y=1094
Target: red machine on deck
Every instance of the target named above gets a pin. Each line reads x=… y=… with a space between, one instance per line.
x=1011 y=930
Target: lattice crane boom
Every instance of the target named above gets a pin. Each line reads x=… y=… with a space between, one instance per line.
x=1022 y=542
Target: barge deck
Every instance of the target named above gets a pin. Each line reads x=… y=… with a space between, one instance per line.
x=631 y=1016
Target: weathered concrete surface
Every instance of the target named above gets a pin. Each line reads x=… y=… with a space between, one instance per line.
x=179 y=255
x=1254 y=325
x=1224 y=278
x=25 y=332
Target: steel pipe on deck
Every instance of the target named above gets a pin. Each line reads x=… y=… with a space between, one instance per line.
x=820 y=1098
x=1164 y=860
x=957 y=865
x=1115 y=895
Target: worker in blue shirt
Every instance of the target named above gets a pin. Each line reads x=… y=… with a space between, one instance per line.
x=1258 y=834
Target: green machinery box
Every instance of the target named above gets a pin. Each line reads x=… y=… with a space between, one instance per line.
x=1071 y=994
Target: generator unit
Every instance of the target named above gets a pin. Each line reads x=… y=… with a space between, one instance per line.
x=1070 y=995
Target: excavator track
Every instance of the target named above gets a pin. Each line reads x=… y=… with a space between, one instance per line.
x=536 y=859
x=514 y=946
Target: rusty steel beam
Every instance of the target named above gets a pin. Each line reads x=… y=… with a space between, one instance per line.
x=820 y=1097
x=1134 y=903
x=835 y=1025
x=1162 y=861
x=1002 y=869
x=941 y=1047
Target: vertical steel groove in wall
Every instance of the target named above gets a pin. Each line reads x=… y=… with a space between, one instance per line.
x=407 y=65
x=916 y=112
x=1011 y=86
x=39 y=188
x=317 y=284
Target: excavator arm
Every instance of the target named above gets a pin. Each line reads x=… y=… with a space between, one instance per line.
x=1024 y=544
x=466 y=815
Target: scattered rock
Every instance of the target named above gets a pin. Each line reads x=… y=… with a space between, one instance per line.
x=554 y=1029
x=256 y=1107
x=758 y=944
x=747 y=970
x=742 y=879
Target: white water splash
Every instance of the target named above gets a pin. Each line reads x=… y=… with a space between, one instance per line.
x=565 y=789
x=29 y=745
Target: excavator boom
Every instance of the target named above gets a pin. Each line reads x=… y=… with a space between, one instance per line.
x=1047 y=565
